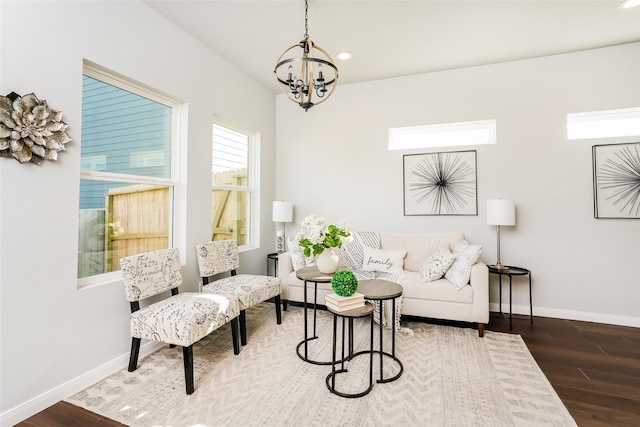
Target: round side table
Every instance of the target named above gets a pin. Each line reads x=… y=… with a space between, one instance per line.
x=382 y=290
x=511 y=271
x=364 y=311
x=311 y=274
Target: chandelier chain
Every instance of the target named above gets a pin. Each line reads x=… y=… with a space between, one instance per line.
x=306 y=18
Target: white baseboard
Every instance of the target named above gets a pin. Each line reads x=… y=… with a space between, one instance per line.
x=570 y=315
x=27 y=409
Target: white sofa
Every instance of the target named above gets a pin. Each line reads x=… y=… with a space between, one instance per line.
x=438 y=299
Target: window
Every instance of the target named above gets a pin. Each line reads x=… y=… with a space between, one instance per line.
x=604 y=124
x=233 y=184
x=128 y=172
x=443 y=135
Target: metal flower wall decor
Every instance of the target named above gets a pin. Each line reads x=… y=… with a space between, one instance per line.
x=30 y=131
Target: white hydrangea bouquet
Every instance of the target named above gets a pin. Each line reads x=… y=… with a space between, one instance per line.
x=314 y=236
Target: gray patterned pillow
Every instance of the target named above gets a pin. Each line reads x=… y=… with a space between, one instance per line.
x=298 y=260
x=352 y=252
x=460 y=271
x=437 y=265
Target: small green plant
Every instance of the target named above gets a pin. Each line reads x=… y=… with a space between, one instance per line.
x=344 y=283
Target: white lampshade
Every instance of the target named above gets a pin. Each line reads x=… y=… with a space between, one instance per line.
x=282 y=211
x=501 y=212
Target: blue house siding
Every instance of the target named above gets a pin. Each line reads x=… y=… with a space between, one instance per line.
x=121 y=133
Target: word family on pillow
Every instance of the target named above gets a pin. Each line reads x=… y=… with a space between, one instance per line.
x=465 y=256
x=436 y=265
x=352 y=252
x=384 y=261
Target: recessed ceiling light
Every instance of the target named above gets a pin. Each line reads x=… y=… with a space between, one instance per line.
x=628 y=4
x=344 y=55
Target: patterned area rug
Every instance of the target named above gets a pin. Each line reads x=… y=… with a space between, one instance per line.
x=451 y=378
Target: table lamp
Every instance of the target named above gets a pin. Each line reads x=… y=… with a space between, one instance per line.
x=501 y=212
x=282 y=213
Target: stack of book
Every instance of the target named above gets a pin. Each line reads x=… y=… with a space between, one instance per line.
x=338 y=303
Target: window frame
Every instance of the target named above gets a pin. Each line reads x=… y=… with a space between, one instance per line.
x=432 y=136
x=122 y=82
x=253 y=182
x=602 y=118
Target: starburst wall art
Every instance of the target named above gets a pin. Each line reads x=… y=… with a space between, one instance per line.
x=616 y=180
x=440 y=183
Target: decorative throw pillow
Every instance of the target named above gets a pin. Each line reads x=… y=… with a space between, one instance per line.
x=460 y=271
x=298 y=260
x=352 y=252
x=386 y=261
x=436 y=265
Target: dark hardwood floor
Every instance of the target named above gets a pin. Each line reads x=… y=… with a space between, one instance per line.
x=594 y=368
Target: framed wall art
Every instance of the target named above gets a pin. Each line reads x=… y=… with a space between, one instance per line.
x=616 y=180
x=440 y=183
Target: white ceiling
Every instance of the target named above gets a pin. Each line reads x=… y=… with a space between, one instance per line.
x=397 y=38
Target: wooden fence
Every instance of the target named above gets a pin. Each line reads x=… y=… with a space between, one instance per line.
x=229 y=207
x=136 y=220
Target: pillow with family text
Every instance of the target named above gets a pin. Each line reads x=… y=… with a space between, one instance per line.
x=436 y=265
x=385 y=261
x=352 y=251
x=460 y=271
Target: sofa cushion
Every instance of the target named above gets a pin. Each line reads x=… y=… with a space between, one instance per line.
x=436 y=265
x=386 y=261
x=419 y=246
x=460 y=271
x=438 y=290
x=352 y=252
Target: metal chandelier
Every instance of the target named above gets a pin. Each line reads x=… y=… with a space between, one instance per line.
x=295 y=73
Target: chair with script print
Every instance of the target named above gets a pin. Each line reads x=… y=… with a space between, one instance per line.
x=181 y=319
x=221 y=256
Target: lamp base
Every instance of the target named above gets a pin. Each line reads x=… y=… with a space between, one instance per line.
x=499 y=266
x=280 y=244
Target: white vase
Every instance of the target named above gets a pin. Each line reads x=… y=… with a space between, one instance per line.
x=327 y=262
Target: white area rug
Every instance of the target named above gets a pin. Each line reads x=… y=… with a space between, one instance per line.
x=451 y=378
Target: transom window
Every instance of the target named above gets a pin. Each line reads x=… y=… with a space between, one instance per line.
x=604 y=124
x=443 y=135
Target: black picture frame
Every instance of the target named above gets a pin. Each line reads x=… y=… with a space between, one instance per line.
x=616 y=181
x=443 y=183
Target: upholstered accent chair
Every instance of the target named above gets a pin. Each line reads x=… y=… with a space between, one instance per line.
x=181 y=319
x=221 y=256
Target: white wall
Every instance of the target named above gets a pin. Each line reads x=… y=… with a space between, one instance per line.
x=333 y=161
x=54 y=336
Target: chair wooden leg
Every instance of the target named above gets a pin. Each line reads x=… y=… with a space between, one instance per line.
x=284 y=304
x=234 y=335
x=243 y=327
x=187 y=355
x=133 y=357
x=278 y=311
x=481 y=330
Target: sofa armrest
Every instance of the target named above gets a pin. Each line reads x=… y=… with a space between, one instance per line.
x=285 y=268
x=480 y=283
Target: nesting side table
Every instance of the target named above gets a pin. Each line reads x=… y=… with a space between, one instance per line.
x=382 y=290
x=365 y=311
x=311 y=274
